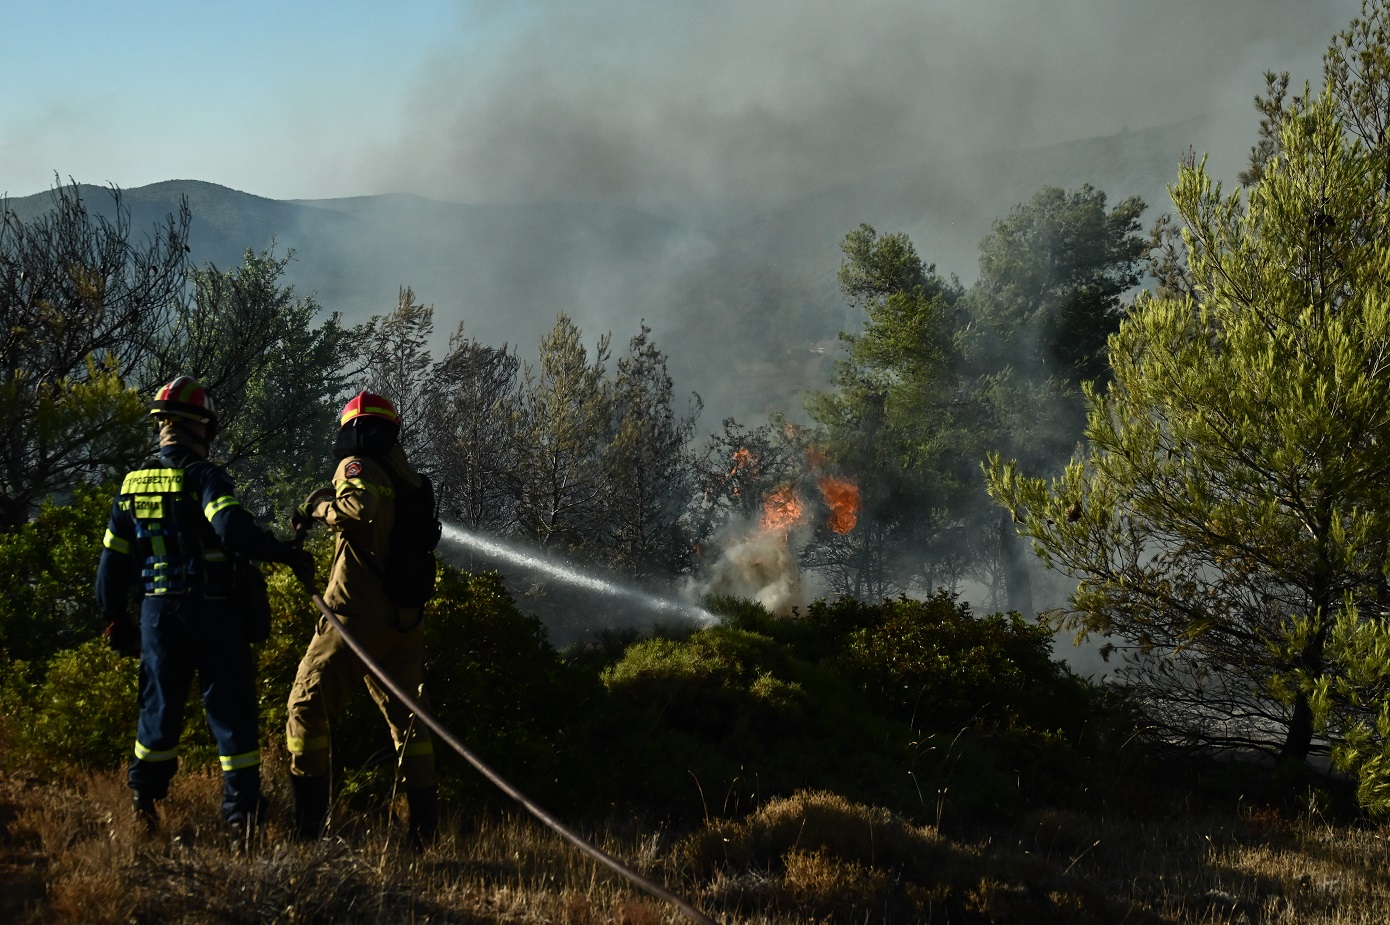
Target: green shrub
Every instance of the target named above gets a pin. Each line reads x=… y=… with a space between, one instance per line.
x=48 y=568
x=729 y=717
x=936 y=665
x=496 y=682
x=80 y=714
x=932 y=662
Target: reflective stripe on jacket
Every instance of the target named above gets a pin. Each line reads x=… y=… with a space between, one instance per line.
x=171 y=527
x=362 y=513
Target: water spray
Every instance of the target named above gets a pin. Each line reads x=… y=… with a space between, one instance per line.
x=529 y=559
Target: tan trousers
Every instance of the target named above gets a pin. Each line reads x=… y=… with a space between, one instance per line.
x=328 y=675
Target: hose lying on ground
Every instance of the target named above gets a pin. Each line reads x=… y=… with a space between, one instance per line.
x=695 y=915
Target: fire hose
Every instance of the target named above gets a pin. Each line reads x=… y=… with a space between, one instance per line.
x=453 y=742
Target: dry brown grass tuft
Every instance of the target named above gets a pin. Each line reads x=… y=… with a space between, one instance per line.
x=73 y=854
x=828 y=887
x=812 y=821
x=70 y=853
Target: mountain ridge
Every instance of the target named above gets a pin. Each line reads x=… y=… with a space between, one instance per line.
x=745 y=312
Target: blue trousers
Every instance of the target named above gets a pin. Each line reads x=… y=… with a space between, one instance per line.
x=181 y=636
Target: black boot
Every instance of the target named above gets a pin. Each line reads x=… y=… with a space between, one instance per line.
x=243 y=826
x=423 y=805
x=309 y=810
x=146 y=815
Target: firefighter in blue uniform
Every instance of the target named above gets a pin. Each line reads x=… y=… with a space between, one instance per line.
x=174 y=529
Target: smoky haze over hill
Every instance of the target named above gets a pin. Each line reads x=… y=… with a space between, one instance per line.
x=748 y=312
x=697 y=165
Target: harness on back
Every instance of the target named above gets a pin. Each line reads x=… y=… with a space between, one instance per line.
x=181 y=554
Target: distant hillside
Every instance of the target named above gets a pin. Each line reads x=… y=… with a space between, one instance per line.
x=748 y=314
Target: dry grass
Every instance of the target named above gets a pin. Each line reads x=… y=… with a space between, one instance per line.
x=69 y=853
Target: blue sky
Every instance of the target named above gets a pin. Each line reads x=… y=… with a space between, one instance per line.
x=648 y=103
x=248 y=92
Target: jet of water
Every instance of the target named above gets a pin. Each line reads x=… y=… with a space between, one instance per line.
x=531 y=560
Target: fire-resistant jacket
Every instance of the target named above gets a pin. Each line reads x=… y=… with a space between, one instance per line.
x=171 y=526
x=362 y=513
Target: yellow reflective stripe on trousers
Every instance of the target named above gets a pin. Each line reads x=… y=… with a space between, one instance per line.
x=147 y=754
x=153 y=482
x=298 y=746
x=221 y=504
x=114 y=543
x=237 y=762
x=419 y=748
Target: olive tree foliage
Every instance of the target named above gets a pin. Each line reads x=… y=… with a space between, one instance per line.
x=276 y=372
x=1234 y=498
x=80 y=303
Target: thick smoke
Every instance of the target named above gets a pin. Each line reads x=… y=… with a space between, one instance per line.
x=732 y=108
x=754 y=563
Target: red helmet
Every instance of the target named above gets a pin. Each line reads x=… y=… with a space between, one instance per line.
x=185 y=398
x=368 y=405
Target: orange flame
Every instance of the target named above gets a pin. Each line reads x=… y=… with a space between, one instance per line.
x=843 y=497
x=782 y=509
x=743 y=459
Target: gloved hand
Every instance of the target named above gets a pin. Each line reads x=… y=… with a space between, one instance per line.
x=301 y=563
x=302 y=518
x=300 y=522
x=123 y=636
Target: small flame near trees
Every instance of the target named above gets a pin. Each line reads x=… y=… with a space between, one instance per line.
x=842 y=496
x=757 y=561
x=782 y=510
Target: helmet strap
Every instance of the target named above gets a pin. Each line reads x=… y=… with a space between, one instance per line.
x=200 y=436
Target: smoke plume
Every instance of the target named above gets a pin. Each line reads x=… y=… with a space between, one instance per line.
x=736 y=108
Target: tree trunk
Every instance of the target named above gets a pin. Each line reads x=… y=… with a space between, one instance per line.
x=1013 y=554
x=1298 y=740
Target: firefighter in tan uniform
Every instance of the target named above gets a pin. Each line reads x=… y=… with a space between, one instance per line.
x=359 y=509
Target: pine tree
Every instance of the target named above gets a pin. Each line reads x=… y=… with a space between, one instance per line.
x=472 y=412
x=1234 y=499
x=565 y=428
x=399 y=367
x=648 y=467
